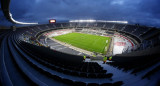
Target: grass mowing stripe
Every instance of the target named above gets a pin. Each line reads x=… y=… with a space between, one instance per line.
x=85 y=41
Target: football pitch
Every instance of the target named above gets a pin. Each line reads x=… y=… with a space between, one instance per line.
x=87 y=42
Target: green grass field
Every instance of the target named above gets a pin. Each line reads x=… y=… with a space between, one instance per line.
x=86 y=41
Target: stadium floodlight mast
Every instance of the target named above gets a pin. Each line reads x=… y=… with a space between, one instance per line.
x=82 y=20
x=125 y=22
x=18 y=21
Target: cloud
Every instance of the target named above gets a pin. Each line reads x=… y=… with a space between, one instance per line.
x=135 y=11
x=117 y=2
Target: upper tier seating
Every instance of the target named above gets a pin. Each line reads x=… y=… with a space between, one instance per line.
x=25 y=64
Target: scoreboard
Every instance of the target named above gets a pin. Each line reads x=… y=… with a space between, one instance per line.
x=52 y=21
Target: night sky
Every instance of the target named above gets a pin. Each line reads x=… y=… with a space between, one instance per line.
x=145 y=12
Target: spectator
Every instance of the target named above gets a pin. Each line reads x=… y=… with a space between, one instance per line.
x=104 y=59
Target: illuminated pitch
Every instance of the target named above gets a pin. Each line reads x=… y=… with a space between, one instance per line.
x=88 y=42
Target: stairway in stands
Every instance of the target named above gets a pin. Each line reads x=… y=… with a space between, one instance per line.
x=26 y=64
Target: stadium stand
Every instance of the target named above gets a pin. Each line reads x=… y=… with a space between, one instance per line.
x=26 y=61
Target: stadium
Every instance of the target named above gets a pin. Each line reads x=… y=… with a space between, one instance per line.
x=78 y=53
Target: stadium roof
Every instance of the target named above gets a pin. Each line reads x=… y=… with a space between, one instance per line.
x=5 y=6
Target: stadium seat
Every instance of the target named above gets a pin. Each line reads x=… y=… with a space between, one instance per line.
x=118 y=83
x=83 y=75
x=60 y=70
x=109 y=75
x=106 y=84
x=57 y=78
x=92 y=75
x=67 y=81
x=92 y=84
x=101 y=75
x=77 y=83
x=75 y=73
x=67 y=72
